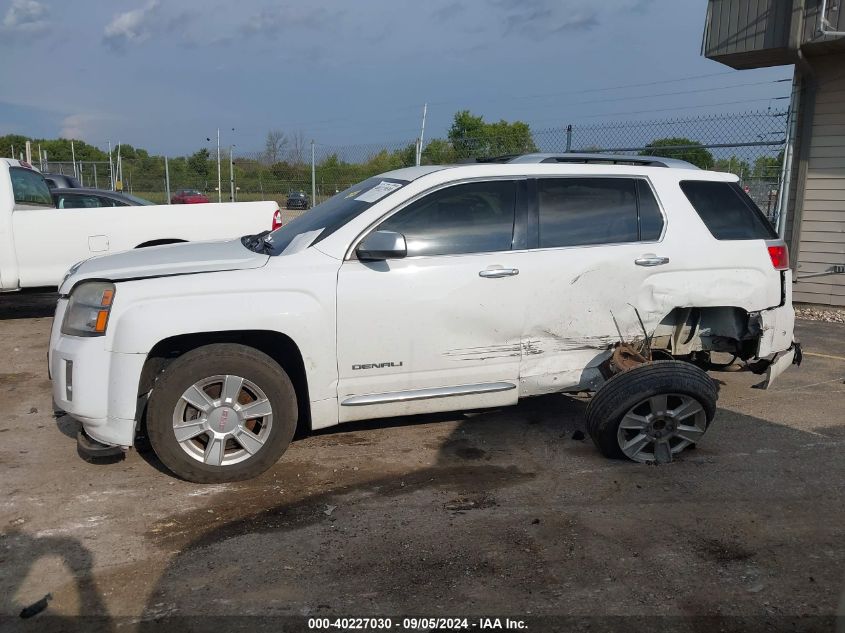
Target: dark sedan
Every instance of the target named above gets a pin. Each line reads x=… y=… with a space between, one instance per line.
x=61 y=181
x=297 y=200
x=93 y=198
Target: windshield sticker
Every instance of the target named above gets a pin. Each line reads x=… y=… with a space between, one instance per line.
x=379 y=191
x=301 y=242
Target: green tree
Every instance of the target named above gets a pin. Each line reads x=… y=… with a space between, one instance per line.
x=198 y=162
x=733 y=165
x=438 y=152
x=680 y=148
x=471 y=137
x=768 y=166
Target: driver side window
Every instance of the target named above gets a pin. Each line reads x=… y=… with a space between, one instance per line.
x=475 y=217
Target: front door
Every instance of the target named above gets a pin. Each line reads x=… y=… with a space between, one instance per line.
x=439 y=329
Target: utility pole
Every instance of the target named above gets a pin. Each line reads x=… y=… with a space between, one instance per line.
x=219 y=180
x=167 y=179
x=40 y=158
x=422 y=135
x=313 y=176
x=231 y=175
x=111 y=169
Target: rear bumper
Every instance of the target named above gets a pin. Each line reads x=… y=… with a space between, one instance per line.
x=780 y=363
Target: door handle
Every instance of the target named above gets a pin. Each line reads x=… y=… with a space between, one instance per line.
x=651 y=260
x=495 y=273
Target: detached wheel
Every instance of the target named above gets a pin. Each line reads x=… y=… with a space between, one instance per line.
x=652 y=412
x=221 y=413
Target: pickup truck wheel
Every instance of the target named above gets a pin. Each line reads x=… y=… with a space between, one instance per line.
x=652 y=412
x=220 y=413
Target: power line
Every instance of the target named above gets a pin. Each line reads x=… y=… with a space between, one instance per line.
x=321 y=124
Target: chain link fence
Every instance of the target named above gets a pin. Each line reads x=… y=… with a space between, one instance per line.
x=748 y=144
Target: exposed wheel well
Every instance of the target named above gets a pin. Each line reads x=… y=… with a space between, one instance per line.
x=160 y=242
x=278 y=346
x=720 y=329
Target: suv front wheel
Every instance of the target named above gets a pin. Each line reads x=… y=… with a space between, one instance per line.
x=652 y=412
x=220 y=413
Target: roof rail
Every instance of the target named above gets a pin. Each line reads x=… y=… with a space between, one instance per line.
x=592 y=159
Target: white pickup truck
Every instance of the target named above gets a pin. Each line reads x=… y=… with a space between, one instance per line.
x=38 y=243
x=433 y=289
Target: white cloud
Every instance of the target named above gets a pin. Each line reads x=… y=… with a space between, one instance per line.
x=25 y=16
x=76 y=126
x=131 y=27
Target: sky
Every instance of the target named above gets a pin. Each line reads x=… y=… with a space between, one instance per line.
x=165 y=75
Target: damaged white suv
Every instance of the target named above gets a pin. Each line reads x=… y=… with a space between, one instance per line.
x=432 y=289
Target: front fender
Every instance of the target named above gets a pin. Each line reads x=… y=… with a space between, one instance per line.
x=148 y=311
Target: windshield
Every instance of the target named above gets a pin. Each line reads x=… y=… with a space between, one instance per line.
x=326 y=218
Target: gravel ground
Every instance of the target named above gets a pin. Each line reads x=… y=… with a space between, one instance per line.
x=820 y=313
x=503 y=513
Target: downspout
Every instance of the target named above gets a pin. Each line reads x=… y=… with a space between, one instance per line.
x=808 y=100
x=781 y=214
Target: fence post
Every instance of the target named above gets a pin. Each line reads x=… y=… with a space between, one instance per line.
x=95 y=175
x=167 y=179
x=313 y=176
x=568 y=138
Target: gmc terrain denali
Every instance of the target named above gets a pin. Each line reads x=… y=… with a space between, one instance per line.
x=432 y=289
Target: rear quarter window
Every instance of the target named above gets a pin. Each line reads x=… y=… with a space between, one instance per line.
x=727 y=211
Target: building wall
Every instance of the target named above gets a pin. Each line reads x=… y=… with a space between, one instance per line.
x=821 y=241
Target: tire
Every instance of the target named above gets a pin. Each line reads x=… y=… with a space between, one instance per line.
x=218 y=443
x=652 y=412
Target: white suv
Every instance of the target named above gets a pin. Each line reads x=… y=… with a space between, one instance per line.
x=432 y=289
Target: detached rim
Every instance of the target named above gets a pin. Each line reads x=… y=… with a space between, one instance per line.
x=661 y=426
x=222 y=420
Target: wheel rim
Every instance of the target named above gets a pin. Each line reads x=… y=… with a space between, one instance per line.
x=659 y=427
x=222 y=420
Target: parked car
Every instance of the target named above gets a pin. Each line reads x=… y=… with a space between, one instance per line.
x=189 y=196
x=297 y=200
x=432 y=289
x=39 y=242
x=60 y=181
x=94 y=198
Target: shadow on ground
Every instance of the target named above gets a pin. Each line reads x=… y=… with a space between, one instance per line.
x=28 y=304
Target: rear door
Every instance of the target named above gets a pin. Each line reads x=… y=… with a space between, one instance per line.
x=597 y=244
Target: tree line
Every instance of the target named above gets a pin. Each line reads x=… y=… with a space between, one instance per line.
x=284 y=162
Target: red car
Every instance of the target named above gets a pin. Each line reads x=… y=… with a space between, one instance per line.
x=188 y=196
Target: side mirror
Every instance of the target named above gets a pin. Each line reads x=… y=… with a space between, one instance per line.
x=380 y=245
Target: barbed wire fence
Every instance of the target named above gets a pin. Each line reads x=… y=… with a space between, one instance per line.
x=749 y=144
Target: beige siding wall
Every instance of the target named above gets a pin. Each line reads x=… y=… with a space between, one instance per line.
x=822 y=238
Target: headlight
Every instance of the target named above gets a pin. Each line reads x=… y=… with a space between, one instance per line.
x=88 y=309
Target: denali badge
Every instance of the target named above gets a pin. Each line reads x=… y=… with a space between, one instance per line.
x=376 y=365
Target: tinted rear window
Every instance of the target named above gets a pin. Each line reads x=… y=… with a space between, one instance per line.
x=727 y=211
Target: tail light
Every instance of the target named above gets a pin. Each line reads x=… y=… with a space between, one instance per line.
x=779 y=254
x=277 y=219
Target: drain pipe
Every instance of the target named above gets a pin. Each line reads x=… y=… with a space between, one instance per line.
x=788 y=154
x=825 y=28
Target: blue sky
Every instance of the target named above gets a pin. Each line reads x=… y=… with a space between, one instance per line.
x=165 y=75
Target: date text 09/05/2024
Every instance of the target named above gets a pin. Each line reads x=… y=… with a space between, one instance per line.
x=414 y=624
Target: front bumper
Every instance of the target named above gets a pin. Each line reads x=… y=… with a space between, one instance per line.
x=96 y=386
